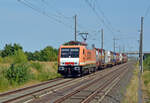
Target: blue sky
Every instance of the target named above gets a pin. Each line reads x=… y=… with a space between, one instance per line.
x=34 y=31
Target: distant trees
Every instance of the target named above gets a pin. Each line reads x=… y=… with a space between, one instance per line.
x=47 y=54
x=0 y=53
x=10 y=49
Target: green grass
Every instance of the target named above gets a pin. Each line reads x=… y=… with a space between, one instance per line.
x=1 y=59
x=17 y=75
x=4 y=83
x=131 y=95
x=146 y=79
x=37 y=66
x=7 y=60
x=47 y=76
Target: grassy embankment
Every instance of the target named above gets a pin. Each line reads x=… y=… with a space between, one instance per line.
x=17 y=72
x=146 y=81
x=131 y=95
x=132 y=91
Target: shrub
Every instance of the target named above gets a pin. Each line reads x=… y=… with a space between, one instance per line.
x=4 y=83
x=1 y=59
x=37 y=66
x=8 y=59
x=19 y=57
x=18 y=74
x=49 y=54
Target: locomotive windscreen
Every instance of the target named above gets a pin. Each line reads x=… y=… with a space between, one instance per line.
x=70 y=52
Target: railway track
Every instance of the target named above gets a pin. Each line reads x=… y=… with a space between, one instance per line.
x=28 y=91
x=33 y=86
x=72 y=93
x=55 y=90
x=86 y=93
x=116 y=91
x=99 y=94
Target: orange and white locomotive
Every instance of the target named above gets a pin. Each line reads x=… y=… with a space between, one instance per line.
x=75 y=59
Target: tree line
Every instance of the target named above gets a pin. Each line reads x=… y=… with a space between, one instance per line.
x=47 y=54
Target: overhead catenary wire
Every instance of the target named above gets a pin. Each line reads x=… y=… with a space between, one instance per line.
x=103 y=14
x=59 y=14
x=62 y=16
x=105 y=18
x=35 y=8
x=147 y=11
x=98 y=16
x=93 y=35
x=57 y=17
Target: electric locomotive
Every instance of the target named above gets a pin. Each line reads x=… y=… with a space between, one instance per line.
x=75 y=59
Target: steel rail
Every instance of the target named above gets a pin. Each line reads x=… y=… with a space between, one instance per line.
x=28 y=94
x=83 y=87
x=91 y=96
x=29 y=87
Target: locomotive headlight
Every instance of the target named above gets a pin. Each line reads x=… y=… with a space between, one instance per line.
x=62 y=63
x=76 y=63
x=61 y=68
x=76 y=68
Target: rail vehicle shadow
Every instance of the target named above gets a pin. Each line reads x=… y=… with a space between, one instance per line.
x=71 y=76
x=98 y=69
x=80 y=75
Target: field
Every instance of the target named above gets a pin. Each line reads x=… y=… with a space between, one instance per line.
x=22 y=75
x=19 y=68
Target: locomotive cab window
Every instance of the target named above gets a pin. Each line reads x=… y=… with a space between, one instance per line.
x=70 y=52
x=65 y=52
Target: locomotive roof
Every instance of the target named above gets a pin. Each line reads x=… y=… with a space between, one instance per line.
x=75 y=43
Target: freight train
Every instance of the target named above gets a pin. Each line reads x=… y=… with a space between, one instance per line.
x=74 y=58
